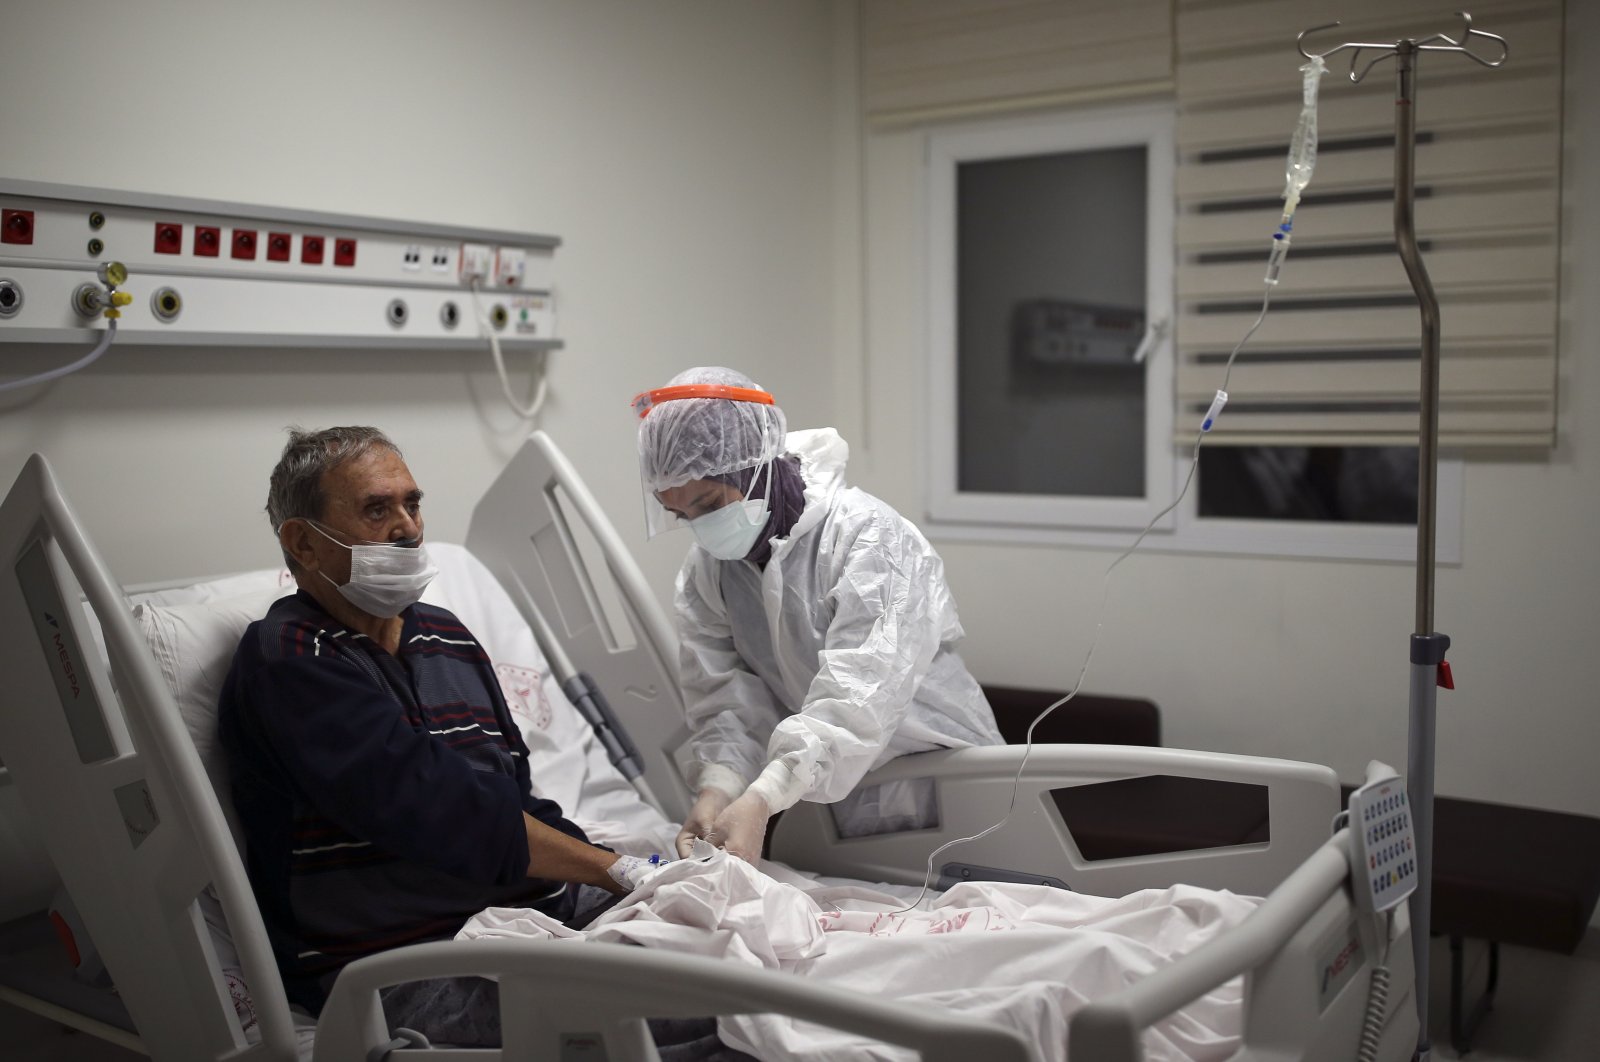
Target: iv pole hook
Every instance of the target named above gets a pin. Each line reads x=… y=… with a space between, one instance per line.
x=1462 y=45
x=1439 y=42
x=1356 y=48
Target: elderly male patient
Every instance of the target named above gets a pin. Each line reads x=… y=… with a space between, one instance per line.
x=380 y=779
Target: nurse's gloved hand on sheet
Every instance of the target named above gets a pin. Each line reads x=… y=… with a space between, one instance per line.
x=739 y=826
x=742 y=827
x=710 y=804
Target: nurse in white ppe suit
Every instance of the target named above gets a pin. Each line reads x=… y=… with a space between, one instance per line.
x=817 y=635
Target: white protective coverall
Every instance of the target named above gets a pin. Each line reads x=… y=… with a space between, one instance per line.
x=835 y=658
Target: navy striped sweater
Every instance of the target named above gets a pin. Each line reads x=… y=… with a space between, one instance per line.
x=381 y=796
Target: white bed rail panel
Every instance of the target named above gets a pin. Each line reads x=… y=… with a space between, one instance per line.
x=522 y=531
x=974 y=791
x=1307 y=956
x=131 y=825
x=557 y=997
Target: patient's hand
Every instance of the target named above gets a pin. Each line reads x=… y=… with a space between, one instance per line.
x=741 y=828
x=710 y=804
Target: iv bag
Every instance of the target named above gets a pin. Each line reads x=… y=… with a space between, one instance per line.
x=1303 y=145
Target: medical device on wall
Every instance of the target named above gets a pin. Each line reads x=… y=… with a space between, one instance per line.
x=210 y=273
x=1064 y=333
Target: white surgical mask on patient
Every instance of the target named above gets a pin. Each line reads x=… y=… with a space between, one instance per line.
x=385 y=578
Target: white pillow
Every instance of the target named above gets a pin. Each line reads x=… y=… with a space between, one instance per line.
x=194 y=645
x=261 y=579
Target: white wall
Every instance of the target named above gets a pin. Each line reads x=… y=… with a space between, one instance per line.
x=683 y=151
x=1300 y=659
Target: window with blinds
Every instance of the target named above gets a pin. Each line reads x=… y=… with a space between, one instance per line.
x=1336 y=361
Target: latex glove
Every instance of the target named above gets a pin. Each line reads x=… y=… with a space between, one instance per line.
x=741 y=828
x=710 y=804
x=630 y=872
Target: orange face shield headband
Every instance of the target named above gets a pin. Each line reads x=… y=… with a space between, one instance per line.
x=645 y=401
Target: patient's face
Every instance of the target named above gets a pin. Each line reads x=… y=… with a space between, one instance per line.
x=697 y=497
x=369 y=499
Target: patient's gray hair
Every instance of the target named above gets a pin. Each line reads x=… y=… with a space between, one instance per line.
x=295 y=490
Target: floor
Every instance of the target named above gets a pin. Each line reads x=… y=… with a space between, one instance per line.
x=1547 y=1010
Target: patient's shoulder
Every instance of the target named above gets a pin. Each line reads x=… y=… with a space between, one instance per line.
x=295 y=626
x=429 y=627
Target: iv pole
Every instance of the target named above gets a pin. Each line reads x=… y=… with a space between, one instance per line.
x=1428 y=647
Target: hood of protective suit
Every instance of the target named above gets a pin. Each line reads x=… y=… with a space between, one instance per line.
x=823 y=454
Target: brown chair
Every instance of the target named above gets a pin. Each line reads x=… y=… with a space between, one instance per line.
x=1509 y=875
x=1087 y=719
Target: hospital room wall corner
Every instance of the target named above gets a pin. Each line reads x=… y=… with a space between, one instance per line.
x=1296 y=657
x=670 y=187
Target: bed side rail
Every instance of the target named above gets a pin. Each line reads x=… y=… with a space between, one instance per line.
x=974 y=788
x=521 y=531
x=1307 y=956
x=128 y=818
x=556 y=995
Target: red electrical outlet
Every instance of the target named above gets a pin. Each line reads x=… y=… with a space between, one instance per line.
x=278 y=246
x=344 y=252
x=311 y=250
x=207 y=241
x=244 y=243
x=16 y=226
x=169 y=237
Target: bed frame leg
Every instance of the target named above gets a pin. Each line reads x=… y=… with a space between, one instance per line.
x=1463 y=1025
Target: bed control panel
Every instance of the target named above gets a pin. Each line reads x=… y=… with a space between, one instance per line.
x=1383 y=853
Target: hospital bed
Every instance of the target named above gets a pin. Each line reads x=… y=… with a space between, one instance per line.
x=126 y=797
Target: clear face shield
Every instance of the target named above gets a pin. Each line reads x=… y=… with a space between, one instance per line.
x=706 y=451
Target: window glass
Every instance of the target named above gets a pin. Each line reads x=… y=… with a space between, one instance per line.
x=1330 y=484
x=1051 y=283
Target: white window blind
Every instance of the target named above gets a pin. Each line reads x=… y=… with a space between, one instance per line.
x=1336 y=362
x=928 y=58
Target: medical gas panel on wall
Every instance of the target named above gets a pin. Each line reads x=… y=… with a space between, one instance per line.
x=215 y=273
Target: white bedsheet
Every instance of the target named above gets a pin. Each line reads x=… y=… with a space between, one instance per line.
x=1025 y=956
